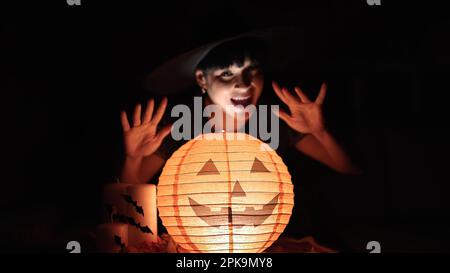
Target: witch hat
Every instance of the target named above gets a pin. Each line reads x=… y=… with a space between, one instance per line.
x=284 y=47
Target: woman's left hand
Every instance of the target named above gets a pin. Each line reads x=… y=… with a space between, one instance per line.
x=306 y=115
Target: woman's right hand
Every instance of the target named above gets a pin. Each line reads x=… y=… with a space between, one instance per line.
x=142 y=139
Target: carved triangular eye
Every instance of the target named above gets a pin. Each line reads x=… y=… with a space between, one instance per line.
x=258 y=167
x=208 y=168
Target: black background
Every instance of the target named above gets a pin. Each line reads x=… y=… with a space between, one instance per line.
x=69 y=70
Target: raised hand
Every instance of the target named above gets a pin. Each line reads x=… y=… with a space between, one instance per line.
x=305 y=115
x=142 y=139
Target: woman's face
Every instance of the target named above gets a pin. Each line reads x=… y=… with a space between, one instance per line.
x=234 y=86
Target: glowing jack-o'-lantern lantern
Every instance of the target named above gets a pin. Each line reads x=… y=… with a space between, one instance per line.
x=225 y=192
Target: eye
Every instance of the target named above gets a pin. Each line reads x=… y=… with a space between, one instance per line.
x=208 y=169
x=258 y=167
x=226 y=74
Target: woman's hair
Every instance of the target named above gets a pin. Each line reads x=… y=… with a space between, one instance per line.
x=234 y=52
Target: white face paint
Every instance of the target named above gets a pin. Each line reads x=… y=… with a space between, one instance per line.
x=235 y=87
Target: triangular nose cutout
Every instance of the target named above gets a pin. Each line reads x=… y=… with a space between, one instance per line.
x=258 y=167
x=208 y=169
x=237 y=190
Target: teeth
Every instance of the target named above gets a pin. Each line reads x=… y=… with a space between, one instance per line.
x=241 y=98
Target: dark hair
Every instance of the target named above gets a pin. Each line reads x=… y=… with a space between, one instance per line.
x=234 y=52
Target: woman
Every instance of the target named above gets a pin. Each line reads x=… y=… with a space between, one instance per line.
x=232 y=75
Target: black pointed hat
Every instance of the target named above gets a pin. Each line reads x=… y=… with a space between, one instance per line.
x=283 y=47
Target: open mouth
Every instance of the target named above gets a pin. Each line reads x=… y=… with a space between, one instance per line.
x=243 y=100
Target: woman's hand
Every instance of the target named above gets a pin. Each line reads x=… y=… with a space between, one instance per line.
x=142 y=139
x=306 y=116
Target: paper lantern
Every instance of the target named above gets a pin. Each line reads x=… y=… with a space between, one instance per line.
x=226 y=193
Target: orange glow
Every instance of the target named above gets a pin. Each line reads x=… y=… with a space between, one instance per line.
x=228 y=193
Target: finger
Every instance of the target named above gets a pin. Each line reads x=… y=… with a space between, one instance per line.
x=160 y=112
x=283 y=115
x=277 y=90
x=137 y=115
x=165 y=131
x=124 y=121
x=291 y=99
x=323 y=92
x=301 y=95
x=148 y=111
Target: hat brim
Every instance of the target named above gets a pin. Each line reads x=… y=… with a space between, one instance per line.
x=177 y=74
